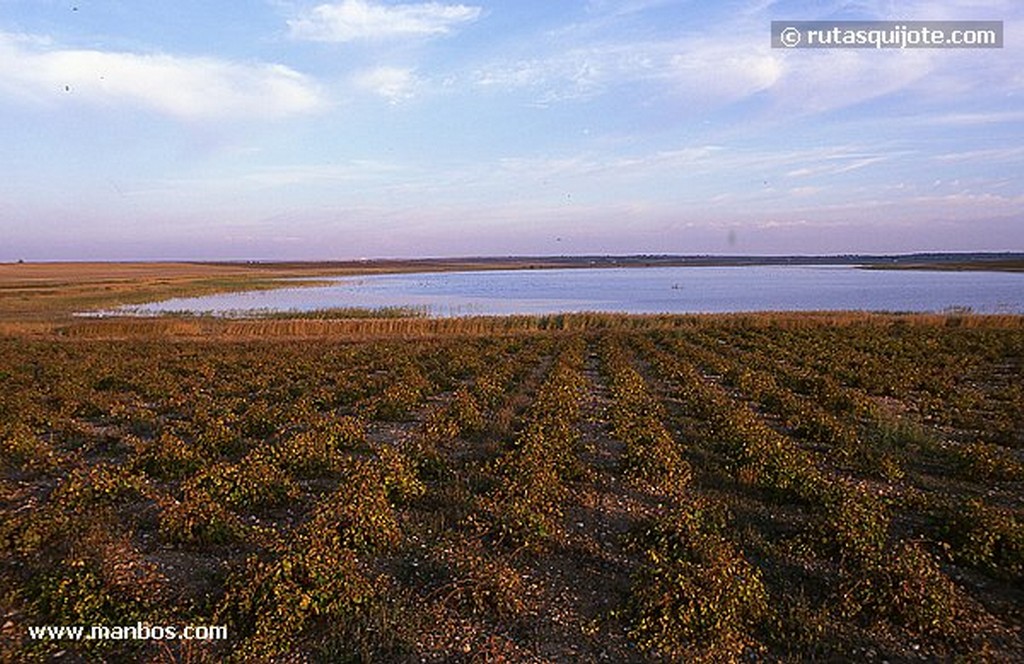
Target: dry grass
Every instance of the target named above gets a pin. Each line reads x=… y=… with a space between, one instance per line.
x=52 y=292
x=215 y=329
x=361 y=329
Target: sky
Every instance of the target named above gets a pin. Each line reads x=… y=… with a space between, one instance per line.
x=285 y=129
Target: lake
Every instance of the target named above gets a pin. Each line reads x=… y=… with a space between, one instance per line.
x=630 y=290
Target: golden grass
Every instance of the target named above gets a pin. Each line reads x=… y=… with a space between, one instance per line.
x=361 y=329
x=48 y=292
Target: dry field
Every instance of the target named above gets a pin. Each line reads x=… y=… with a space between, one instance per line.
x=568 y=488
x=37 y=295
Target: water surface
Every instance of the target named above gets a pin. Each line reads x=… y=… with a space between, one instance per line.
x=631 y=290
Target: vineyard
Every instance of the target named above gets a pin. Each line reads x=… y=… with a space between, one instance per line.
x=746 y=488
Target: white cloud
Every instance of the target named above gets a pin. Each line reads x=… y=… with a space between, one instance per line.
x=837 y=163
x=1014 y=153
x=615 y=167
x=711 y=72
x=395 y=84
x=971 y=119
x=191 y=88
x=818 y=82
x=354 y=20
x=732 y=61
x=805 y=191
x=367 y=173
x=724 y=72
x=572 y=73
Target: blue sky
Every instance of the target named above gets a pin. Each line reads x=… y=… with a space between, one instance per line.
x=280 y=129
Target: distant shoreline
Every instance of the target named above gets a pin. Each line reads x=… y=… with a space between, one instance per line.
x=1000 y=261
x=958 y=261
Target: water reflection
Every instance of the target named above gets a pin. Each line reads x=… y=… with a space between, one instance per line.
x=633 y=290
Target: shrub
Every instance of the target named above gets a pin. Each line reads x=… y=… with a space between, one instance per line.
x=466 y=411
x=398 y=475
x=402 y=393
x=21 y=449
x=218 y=435
x=482 y=582
x=651 y=455
x=252 y=483
x=197 y=521
x=343 y=433
x=357 y=515
x=168 y=457
x=260 y=420
x=909 y=588
x=307 y=453
x=313 y=599
x=440 y=426
x=695 y=597
x=987 y=537
x=855 y=527
x=526 y=504
x=100 y=484
x=980 y=461
x=101 y=579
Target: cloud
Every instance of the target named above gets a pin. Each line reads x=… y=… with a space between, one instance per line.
x=622 y=7
x=192 y=88
x=573 y=73
x=393 y=83
x=732 y=61
x=1014 y=153
x=617 y=167
x=354 y=20
x=974 y=119
x=707 y=72
x=837 y=163
x=724 y=72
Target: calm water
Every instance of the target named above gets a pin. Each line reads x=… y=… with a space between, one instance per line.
x=634 y=290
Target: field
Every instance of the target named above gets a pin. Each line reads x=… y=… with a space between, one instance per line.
x=571 y=488
x=38 y=296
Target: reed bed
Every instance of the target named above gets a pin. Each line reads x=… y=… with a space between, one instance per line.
x=364 y=328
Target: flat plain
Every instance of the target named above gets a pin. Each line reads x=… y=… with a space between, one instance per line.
x=763 y=487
